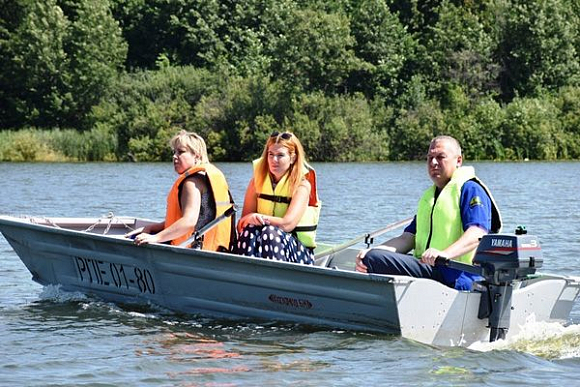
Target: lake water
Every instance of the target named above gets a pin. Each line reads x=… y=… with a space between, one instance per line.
x=51 y=338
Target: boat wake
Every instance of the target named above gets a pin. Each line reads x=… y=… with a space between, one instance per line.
x=552 y=341
x=55 y=294
x=548 y=340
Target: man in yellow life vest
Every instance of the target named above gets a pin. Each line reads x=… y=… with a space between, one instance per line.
x=452 y=216
x=197 y=197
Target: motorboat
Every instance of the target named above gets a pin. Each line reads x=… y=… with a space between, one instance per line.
x=94 y=256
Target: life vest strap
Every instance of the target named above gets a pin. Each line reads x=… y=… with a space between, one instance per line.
x=275 y=198
x=305 y=228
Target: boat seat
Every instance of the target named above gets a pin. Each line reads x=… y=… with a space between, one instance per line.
x=343 y=260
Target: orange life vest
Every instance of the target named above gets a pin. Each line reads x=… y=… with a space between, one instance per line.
x=219 y=237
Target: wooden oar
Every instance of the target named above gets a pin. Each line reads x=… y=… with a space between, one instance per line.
x=367 y=237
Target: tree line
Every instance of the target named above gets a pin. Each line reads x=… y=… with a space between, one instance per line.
x=356 y=80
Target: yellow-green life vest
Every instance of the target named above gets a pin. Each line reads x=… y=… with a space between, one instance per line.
x=275 y=202
x=441 y=219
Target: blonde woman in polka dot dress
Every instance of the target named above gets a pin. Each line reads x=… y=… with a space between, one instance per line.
x=281 y=206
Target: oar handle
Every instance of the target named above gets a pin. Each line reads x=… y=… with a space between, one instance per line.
x=442 y=261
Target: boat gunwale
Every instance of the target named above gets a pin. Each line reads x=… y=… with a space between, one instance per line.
x=22 y=222
x=26 y=221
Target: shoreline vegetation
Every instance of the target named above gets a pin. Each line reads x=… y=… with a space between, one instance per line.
x=357 y=80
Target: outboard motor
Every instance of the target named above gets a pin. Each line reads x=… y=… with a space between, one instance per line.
x=504 y=258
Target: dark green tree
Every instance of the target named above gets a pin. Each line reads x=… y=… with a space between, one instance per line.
x=538 y=46
x=384 y=45
x=459 y=51
x=96 y=53
x=417 y=15
x=34 y=74
x=208 y=33
x=60 y=58
x=151 y=28
x=315 y=51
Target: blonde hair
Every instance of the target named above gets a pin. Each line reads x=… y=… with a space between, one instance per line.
x=294 y=147
x=191 y=141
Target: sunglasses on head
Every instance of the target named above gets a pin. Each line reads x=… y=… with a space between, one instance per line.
x=285 y=135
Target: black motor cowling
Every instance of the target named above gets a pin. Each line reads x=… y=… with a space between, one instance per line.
x=505 y=257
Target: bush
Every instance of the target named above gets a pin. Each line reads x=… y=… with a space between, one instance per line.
x=568 y=103
x=338 y=128
x=98 y=144
x=531 y=130
x=25 y=145
x=413 y=130
x=237 y=118
x=148 y=107
x=483 y=140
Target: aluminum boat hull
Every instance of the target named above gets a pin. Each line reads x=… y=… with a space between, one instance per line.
x=93 y=257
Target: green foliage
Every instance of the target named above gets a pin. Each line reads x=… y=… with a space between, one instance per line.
x=98 y=144
x=568 y=103
x=315 y=52
x=209 y=34
x=417 y=14
x=59 y=59
x=531 y=130
x=96 y=51
x=338 y=128
x=32 y=144
x=35 y=75
x=150 y=104
x=413 y=130
x=237 y=115
x=483 y=138
x=354 y=79
x=538 y=47
x=459 y=52
x=23 y=147
x=384 y=45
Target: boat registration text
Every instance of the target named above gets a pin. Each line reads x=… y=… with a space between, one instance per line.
x=114 y=274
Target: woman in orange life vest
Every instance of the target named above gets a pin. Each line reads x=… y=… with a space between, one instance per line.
x=199 y=194
x=281 y=206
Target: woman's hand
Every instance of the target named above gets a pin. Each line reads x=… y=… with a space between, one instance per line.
x=137 y=231
x=144 y=238
x=254 y=218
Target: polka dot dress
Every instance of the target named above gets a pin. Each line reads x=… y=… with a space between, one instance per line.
x=272 y=243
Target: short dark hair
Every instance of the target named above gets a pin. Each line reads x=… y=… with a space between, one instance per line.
x=454 y=143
